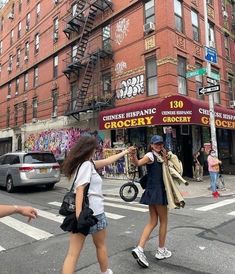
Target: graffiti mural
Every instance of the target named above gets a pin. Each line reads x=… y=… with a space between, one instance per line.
x=60 y=141
x=122 y=28
x=131 y=87
x=120 y=67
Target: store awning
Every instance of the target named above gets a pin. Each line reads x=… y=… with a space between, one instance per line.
x=173 y=110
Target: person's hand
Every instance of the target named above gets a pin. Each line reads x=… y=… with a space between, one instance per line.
x=132 y=150
x=28 y=211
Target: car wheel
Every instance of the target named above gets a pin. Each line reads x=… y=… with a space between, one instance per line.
x=9 y=185
x=50 y=186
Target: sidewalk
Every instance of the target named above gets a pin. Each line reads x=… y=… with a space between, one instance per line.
x=193 y=190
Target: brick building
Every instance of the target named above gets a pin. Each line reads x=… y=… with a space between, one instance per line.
x=118 y=67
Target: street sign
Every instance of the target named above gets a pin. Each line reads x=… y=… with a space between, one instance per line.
x=211 y=81
x=215 y=76
x=211 y=55
x=196 y=72
x=209 y=89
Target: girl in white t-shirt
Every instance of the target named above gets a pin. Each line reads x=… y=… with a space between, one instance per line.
x=81 y=156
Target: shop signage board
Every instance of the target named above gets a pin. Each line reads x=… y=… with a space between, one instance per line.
x=200 y=71
x=211 y=55
x=209 y=89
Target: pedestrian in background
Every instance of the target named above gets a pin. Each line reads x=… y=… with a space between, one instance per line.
x=80 y=158
x=156 y=198
x=27 y=211
x=199 y=165
x=213 y=168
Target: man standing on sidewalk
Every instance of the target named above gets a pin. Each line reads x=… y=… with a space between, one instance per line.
x=200 y=160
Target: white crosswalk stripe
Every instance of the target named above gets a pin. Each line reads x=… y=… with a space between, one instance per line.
x=231 y=213
x=26 y=229
x=216 y=205
x=2 y=248
x=126 y=207
x=50 y=216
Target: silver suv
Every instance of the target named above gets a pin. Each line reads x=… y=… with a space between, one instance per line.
x=28 y=168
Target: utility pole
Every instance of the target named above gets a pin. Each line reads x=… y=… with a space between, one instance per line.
x=211 y=96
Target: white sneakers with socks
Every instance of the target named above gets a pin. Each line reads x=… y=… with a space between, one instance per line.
x=108 y=271
x=163 y=253
x=140 y=257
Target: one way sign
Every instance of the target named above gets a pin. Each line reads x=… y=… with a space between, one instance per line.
x=210 y=89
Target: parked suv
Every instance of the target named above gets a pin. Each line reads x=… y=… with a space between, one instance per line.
x=28 y=168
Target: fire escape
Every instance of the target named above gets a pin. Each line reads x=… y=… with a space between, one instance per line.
x=82 y=64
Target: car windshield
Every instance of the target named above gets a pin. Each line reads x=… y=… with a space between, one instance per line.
x=39 y=158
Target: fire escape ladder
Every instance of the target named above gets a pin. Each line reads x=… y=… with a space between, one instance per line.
x=82 y=92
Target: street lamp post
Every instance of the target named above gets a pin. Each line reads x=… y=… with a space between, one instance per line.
x=211 y=96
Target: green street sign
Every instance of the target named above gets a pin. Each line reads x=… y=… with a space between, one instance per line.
x=196 y=72
x=214 y=76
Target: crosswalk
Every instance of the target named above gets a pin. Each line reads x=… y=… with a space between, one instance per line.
x=115 y=209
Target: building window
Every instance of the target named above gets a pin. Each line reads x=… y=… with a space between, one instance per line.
x=55 y=29
x=74 y=53
x=151 y=75
x=24 y=112
x=55 y=66
x=18 y=57
x=26 y=58
x=178 y=15
x=107 y=86
x=36 y=48
x=106 y=38
x=54 y=102
x=35 y=108
x=231 y=93
x=2 y=23
x=73 y=90
x=20 y=6
x=37 y=12
x=9 y=90
x=181 y=69
x=16 y=114
x=226 y=45
x=35 y=77
x=26 y=81
x=199 y=81
x=74 y=9
x=19 y=30
x=211 y=34
x=11 y=37
x=0 y=47
x=27 y=22
x=195 y=25
x=8 y=117
x=149 y=11
x=17 y=86
x=10 y=63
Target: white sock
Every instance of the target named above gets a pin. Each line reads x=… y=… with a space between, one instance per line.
x=140 y=248
x=161 y=249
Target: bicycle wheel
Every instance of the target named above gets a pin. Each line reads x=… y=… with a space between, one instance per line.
x=128 y=192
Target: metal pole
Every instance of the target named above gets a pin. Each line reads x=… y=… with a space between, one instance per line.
x=211 y=96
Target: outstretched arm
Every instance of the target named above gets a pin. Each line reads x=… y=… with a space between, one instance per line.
x=102 y=163
x=28 y=211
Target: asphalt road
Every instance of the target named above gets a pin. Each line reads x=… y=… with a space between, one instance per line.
x=201 y=238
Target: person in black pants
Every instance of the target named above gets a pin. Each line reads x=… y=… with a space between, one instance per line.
x=155 y=197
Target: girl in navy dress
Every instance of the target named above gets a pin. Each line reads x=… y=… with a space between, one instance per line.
x=155 y=197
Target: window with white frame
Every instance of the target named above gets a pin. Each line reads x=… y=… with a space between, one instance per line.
x=195 y=25
x=149 y=11
x=36 y=47
x=10 y=61
x=26 y=51
x=106 y=37
x=181 y=69
x=151 y=75
x=27 y=25
x=38 y=7
x=18 y=51
x=55 y=29
x=26 y=81
x=17 y=86
x=55 y=66
x=211 y=34
x=35 y=108
x=35 y=78
x=226 y=46
x=178 y=9
x=74 y=52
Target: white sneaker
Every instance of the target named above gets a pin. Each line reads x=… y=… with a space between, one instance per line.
x=108 y=271
x=163 y=254
x=140 y=257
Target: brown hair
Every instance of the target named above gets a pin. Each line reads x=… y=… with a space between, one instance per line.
x=79 y=153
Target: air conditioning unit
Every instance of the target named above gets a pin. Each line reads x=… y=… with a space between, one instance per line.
x=34 y=120
x=232 y=104
x=9 y=96
x=9 y=69
x=55 y=36
x=26 y=58
x=10 y=15
x=149 y=27
x=211 y=44
x=225 y=14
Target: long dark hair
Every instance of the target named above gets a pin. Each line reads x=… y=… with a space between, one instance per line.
x=79 y=153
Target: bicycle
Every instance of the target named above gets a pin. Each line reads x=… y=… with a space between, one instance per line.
x=129 y=191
